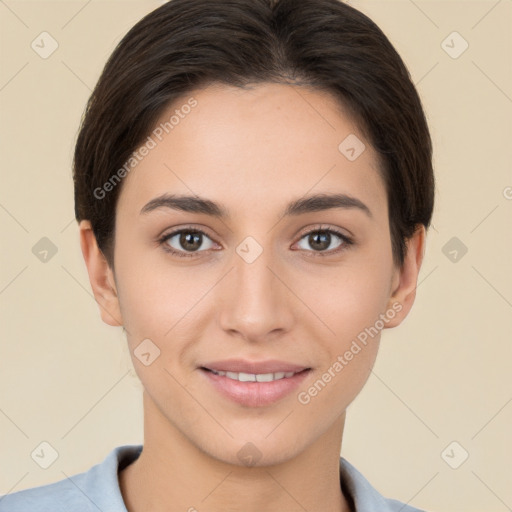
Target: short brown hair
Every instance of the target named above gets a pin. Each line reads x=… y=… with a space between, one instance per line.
x=186 y=44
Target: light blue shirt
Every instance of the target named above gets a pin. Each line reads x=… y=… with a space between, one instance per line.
x=97 y=490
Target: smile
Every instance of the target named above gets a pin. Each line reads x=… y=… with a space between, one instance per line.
x=255 y=377
x=254 y=389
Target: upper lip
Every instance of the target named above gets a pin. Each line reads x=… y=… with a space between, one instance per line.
x=254 y=367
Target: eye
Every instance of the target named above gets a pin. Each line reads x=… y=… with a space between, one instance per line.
x=187 y=240
x=320 y=239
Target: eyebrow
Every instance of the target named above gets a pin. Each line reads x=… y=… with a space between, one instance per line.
x=313 y=203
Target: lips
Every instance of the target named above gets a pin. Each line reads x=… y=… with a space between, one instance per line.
x=258 y=393
x=254 y=383
x=254 y=367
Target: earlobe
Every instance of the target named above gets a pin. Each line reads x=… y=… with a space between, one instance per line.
x=406 y=278
x=100 y=276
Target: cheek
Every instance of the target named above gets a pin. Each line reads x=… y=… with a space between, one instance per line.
x=144 y=289
x=351 y=310
x=163 y=303
x=353 y=298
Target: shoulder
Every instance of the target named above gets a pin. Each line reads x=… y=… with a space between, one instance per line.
x=364 y=497
x=60 y=496
x=92 y=490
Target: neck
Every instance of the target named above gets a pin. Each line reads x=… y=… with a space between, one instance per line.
x=172 y=474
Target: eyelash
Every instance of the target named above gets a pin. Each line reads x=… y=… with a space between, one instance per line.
x=347 y=242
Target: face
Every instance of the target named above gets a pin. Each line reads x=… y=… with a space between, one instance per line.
x=311 y=288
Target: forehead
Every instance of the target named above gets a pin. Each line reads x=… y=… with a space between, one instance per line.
x=254 y=147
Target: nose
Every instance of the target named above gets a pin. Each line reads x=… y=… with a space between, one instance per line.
x=255 y=301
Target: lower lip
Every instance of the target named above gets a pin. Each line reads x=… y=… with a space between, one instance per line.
x=255 y=394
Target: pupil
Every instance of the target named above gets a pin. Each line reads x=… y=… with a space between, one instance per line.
x=191 y=241
x=322 y=238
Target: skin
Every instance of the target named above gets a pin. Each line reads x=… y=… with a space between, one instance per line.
x=253 y=151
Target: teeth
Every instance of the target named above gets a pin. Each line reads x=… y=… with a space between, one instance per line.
x=252 y=377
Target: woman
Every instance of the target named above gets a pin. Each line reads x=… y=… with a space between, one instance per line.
x=253 y=185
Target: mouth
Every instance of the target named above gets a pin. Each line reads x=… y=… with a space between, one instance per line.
x=256 y=389
x=249 y=367
x=255 y=377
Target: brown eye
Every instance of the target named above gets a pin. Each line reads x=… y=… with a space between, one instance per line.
x=186 y=241
x=328 y=241
x=320 y=240
x=190 y=241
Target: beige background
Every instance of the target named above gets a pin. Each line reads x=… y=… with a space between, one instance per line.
x=444 y=375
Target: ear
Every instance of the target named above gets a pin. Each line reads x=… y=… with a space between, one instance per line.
x=404 y=281
x=101 y=276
